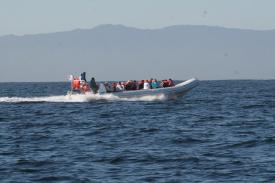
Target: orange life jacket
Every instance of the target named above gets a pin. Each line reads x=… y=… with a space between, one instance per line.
x=76 y=84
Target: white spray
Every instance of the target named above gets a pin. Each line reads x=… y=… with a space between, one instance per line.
x=79 y=98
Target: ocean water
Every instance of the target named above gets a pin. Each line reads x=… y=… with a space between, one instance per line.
x=222 y=131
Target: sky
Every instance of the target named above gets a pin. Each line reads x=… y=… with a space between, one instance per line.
x=28 y=17
x=22 y=17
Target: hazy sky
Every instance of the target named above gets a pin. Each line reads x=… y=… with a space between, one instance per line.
x=43 y=16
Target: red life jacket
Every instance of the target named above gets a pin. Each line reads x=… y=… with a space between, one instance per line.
x=85 y=88
x=165 y=83
x=170 y=83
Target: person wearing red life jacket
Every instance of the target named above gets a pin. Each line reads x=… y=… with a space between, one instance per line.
x=170 y=83
x=140 y=84
x=164 y=83
x=128 y=85
x=85 y=87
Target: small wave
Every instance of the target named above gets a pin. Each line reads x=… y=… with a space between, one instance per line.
x=253 y=106
x=186 y=141
x=33 y=163
x=245 y=144
x=33 y=99
x=58 y=179
x=78 y=98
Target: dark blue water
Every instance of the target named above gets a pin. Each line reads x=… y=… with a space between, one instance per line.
x=222 y=131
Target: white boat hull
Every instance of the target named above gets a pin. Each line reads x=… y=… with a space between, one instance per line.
x=176 y=91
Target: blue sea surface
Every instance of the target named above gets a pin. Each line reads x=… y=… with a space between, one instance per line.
x=222 y=131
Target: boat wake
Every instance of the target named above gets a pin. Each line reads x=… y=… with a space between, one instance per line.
x=78 y=98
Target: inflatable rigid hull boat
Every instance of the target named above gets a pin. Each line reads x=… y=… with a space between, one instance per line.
x=176 y=91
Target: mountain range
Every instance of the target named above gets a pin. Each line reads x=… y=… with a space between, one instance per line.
x=117 y=52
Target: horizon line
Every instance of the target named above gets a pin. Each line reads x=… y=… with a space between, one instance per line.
x=138 y=28
x=270 y=79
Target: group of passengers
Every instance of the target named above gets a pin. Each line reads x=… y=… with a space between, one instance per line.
x=137 y=85
x=81 y=84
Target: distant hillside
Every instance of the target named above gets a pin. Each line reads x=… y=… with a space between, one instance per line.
x=115 y=52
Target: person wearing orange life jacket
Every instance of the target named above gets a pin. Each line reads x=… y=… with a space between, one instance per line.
x=76 y=83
